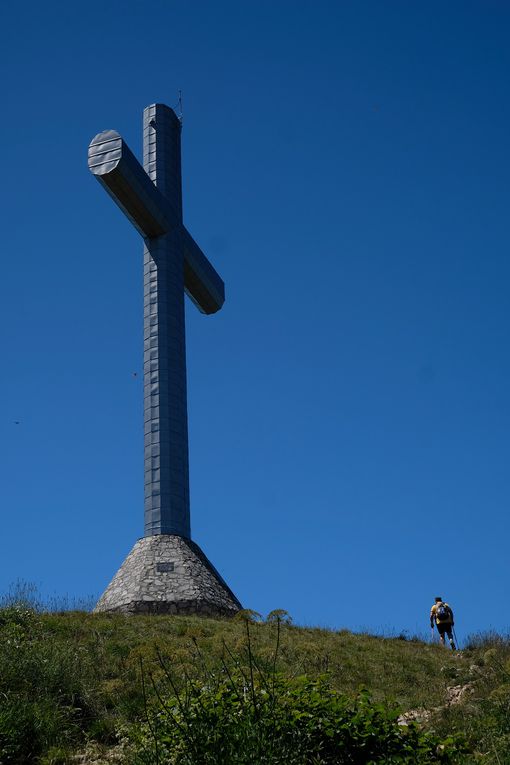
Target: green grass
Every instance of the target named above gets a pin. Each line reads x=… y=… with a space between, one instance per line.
x=394 y=669
x=71 y=678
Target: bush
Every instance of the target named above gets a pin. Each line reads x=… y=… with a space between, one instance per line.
x=292 y=722
x=246 y=714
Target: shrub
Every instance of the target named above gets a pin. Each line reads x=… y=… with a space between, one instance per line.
x=292 y=722
x=245 y=714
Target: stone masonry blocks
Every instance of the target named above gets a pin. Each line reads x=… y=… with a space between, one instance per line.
x=166 y=574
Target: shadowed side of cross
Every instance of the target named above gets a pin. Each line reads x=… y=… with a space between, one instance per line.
x=125 y=180
x=151 y=198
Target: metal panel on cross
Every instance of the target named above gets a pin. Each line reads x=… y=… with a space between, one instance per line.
x=151 y=198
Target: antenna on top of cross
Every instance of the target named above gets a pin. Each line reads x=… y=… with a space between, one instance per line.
x=179 y=107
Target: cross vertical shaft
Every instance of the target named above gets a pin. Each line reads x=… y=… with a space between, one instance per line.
x=165 y=571
x=167 y=509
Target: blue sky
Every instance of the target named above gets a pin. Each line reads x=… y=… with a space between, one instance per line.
x=346 y=171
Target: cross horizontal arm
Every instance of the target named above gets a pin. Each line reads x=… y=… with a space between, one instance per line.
x=202 y=283
x=119 y=172
x=125 y=180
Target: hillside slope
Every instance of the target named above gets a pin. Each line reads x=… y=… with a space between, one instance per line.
x=74 y=680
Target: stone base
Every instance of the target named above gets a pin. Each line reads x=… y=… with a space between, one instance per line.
x=167 y=574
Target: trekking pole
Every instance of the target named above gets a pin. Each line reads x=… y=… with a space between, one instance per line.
x=455 y=636
x=432 y=634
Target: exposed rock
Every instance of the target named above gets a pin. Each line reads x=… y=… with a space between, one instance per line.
x=95 y=754
x=456 y=693
x=415 y=715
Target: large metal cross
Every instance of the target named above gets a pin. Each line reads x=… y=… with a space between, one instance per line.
x=151 y=198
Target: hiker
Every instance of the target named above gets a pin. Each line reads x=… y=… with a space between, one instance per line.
x=442 y=616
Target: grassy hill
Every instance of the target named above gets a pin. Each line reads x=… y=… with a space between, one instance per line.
x=75 y=682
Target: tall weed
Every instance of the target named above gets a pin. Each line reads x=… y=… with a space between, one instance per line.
x=245 y=712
